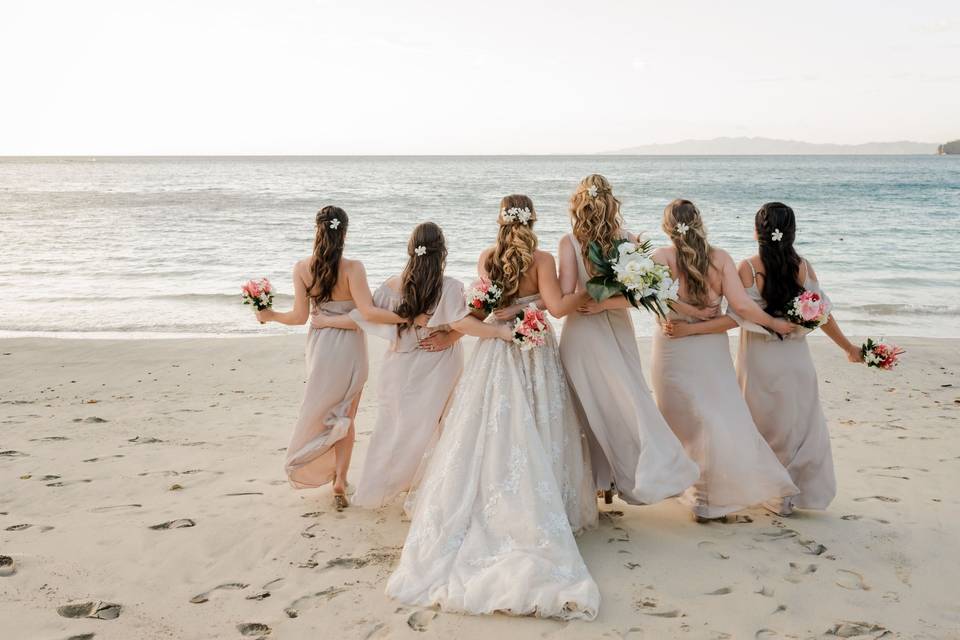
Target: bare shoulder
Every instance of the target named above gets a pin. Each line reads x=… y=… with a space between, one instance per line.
x=543 y=257
x=394 y=282
x=303 y=267
x=565 y=242
x=662 y=254
x=352 y=266
x=745 y=269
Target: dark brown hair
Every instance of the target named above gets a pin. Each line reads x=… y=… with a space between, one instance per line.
x=331 y=230
x=781 y=264
x=422 y=280
x=512 y=254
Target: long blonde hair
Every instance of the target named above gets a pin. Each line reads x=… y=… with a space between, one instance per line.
x=595 y=218
x=684 y=225
x=512 y=255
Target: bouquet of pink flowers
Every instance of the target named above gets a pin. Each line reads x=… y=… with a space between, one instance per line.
x=259 y=293
x=530 y=328
x=881 y=354
x=483 y=296
x=809 y=309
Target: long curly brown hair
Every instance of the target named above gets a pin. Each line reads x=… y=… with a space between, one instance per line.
x=422 y=279
x=512 y=254
x=693 y=250
x=331 y=230
x=595 y=218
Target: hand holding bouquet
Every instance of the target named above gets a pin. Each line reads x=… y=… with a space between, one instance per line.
x=881 y=355
x=258 y=293
x=530 y=328
x=629 y=270
x=483 y=296
x=809 y=310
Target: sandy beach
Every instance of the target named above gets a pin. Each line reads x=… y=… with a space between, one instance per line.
x=103 y=442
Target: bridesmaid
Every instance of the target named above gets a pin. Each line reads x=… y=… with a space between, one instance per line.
x=421 y=368
x=336 y=358
x=632 y=448
x=778 y=379
x=695 y=384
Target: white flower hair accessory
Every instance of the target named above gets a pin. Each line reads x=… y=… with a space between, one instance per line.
x=593 y=191
x=682 y=228
x=516 y=214
x=335 y=223
x=777 y=235
x=421 y=250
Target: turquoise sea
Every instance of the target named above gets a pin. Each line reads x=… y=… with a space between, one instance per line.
x=153 y=247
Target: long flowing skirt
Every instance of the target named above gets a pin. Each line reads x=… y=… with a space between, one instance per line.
x=696 y=389
x=632 y=446
x=779 y=383
x=489 y=530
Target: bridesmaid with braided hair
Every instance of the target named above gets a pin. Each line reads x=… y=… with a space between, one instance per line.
x=777 y=377
x=695 y=384
x=336 y=356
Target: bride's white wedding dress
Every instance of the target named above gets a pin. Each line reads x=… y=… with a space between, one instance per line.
x=489 y=530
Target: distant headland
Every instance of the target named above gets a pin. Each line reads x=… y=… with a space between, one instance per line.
x=949 y=149
x=770 y=146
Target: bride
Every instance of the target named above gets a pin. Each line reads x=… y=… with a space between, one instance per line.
x=490 y=531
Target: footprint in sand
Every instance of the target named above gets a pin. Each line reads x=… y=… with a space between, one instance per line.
x=312 y=514
x=83 y=636
x=722 y=591
x=251 y=629
x=205 y=596
x=297 y=605
x=115 y=507
x=623 y=536
x=765 y=634
x=99 y=609
x=7 y=566
x=182 y=523
x=144 y=440
x=306 y=532
x=265 y=590
x=419 y=620
x=851 y=580
x=12 y=454
x=812 y=547
x=50 y=439
x=880 y=498
x=22 y=527
x=847 y=629
x=711 y=549
x=243 y=493
x=857 y=517
x=116 y=455
x=765 y=591
x=798 y=571
x=776 y=534
x=672 y=613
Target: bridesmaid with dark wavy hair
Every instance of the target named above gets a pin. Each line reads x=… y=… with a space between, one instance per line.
x=336 y=357
x=420 y=369
x=777 y=377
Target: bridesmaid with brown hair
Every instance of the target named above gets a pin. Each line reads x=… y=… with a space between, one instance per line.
x=778 y=377
x=695 y=383
x=632 y=449
x=336 y=358
x=420 y=369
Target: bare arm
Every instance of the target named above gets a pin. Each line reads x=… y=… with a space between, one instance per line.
x=321 y=320
x=681 y=329
x=471 y=326
x=736 y=295
x=301 y=304
x=833 y=331
x=569 y=270
x=551 y=292
x=360 y=292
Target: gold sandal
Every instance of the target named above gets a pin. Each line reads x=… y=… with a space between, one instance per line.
x=340 y=501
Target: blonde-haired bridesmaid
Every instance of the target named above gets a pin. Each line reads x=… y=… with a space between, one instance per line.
x=336 y=358
x=632 y=448
x=695 y=383
x=777 y=377
x=420 y=369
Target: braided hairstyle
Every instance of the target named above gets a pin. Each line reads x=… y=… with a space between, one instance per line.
x=512 y=253
x=422 y=279
x=595 y=216
x=331 y=231
x=781 y=264
x=684 y=226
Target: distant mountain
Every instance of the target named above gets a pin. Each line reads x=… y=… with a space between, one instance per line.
x=771 y=146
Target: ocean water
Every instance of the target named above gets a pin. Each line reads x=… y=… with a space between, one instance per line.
x=154 y=247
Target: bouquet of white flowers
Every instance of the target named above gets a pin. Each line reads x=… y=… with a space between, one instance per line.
x=628 y=270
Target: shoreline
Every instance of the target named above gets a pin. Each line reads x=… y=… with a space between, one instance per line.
x=104 y=439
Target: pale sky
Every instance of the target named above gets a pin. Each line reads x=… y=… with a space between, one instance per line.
x=403 y=77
